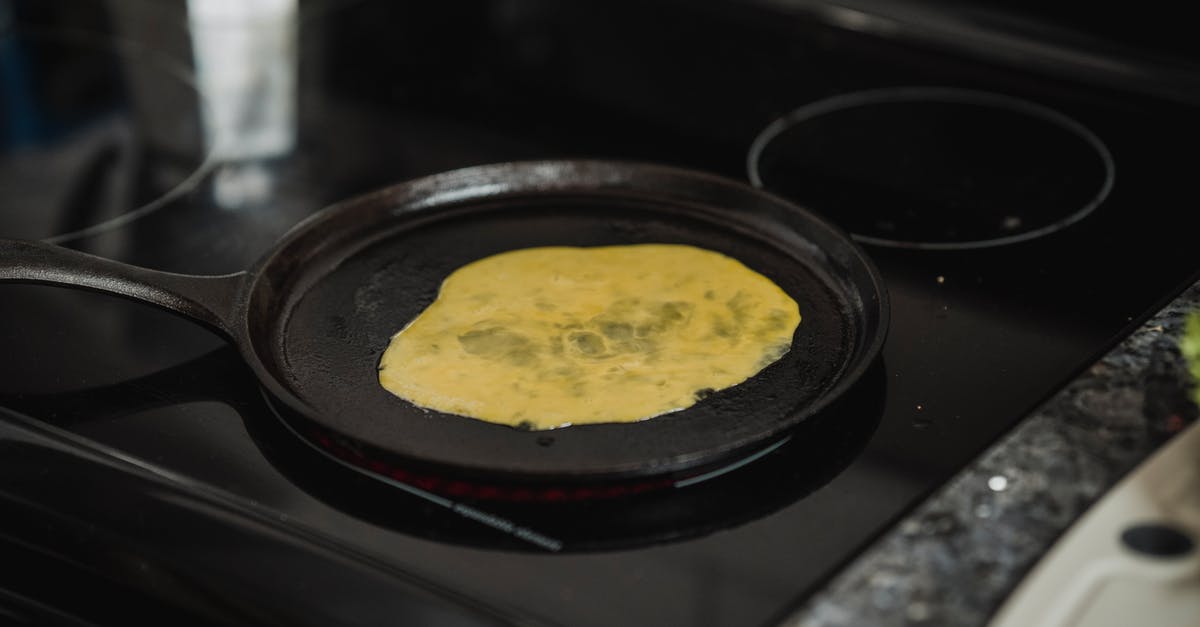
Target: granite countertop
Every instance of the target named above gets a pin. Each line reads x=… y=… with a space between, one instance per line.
x=956 y=557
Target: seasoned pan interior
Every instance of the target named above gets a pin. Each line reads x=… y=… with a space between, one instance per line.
x=327 y=340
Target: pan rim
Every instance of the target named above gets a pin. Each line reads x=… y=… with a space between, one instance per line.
x=535 y=179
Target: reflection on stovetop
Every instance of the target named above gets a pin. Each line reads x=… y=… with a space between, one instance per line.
x=388 y=91
x=617 y=516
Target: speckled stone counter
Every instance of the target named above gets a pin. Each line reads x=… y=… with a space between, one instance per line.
x=955 y=559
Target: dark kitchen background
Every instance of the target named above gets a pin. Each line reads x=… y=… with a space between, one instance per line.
x=141 y=463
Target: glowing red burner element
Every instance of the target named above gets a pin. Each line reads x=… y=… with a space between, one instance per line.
x=464 y=489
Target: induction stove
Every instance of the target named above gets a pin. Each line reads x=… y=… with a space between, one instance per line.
x=1023 y=220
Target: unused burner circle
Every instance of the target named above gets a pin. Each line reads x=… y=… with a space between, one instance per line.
x=934 y=167
x=102 y=131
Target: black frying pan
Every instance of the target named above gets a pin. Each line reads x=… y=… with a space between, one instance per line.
x=314 y=314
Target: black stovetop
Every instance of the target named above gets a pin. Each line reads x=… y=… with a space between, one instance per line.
x=104 y=151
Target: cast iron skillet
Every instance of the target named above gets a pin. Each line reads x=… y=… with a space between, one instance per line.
x=314 y=314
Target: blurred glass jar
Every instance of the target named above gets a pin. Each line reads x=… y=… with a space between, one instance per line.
x=245 y=58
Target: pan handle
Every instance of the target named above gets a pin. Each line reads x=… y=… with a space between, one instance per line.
x=210 y=300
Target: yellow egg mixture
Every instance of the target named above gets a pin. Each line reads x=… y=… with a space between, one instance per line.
x=541 y=338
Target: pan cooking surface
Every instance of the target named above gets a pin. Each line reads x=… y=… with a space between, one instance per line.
x=336 y=332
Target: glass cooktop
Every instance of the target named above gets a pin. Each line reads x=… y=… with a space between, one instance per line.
x=1022 y=224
